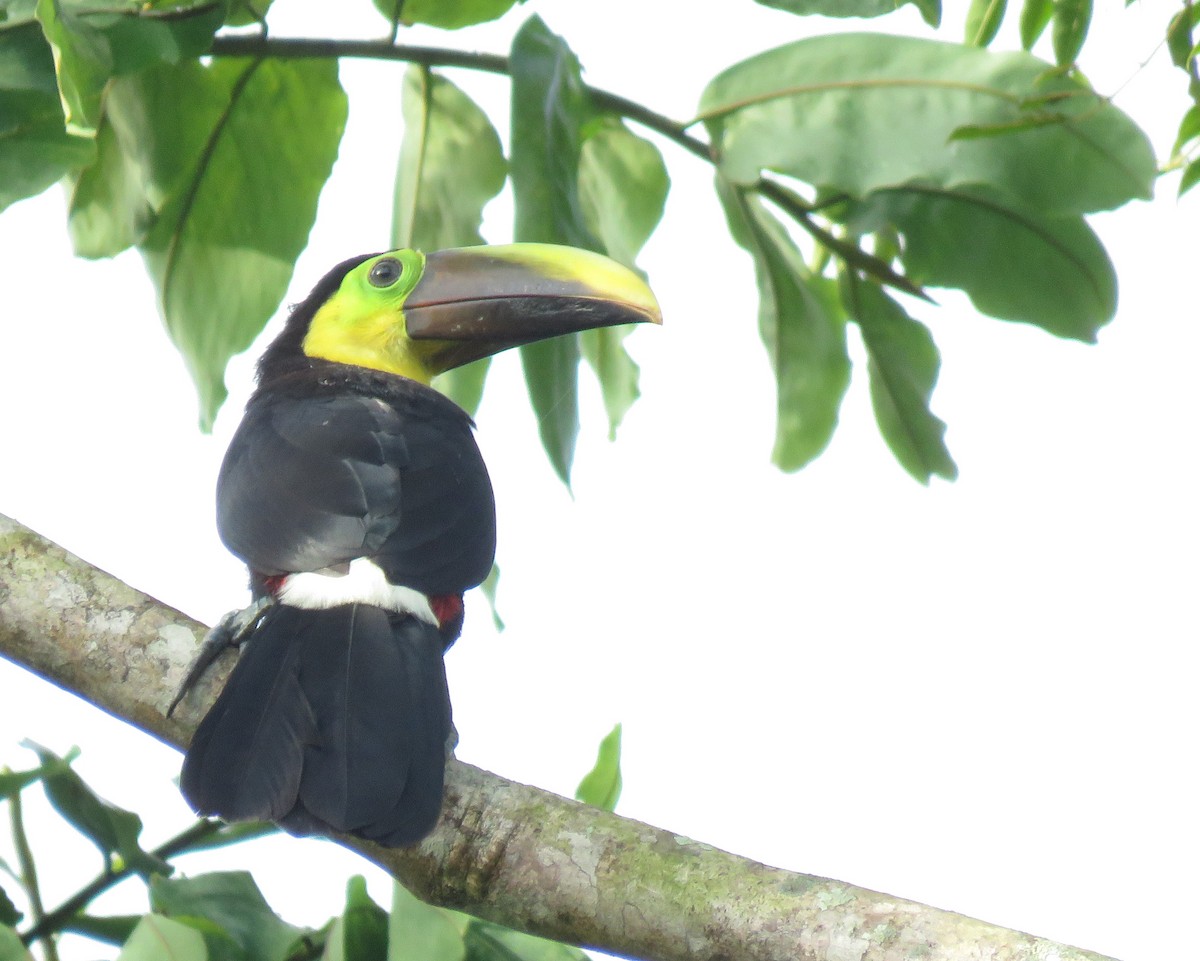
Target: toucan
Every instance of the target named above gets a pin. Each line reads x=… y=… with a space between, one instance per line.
x=357 y=497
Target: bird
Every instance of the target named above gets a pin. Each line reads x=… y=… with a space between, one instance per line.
x=356 y=495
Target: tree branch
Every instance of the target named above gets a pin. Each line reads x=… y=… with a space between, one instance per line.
x=503 y=851
x=306 y=48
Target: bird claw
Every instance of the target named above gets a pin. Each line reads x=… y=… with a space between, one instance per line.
x=228 y=632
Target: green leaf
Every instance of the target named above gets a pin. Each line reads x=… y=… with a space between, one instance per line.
x=83 y=60
x=233 y=910
x=1014 y=263
x=11 y=948
x=420 y=932
x=1035 y=17
x=362 y=931
x=494 y=942
x=931 y=10
x=447 y=14
x=115 y=929
x=451 y=165
x=550 y=110
x=9 y=915
x=1189 y=129
x=113 y=830
x=490 y=585
x=552 y=379
x=1179 y=35
x=601 y=786
x=1070 y=27
x=903 y=366
x=623 y=186
x=35 y=148
x=824 y=110
x=605 y=353
x=1191 y=174
x=227 y=232
x=161 y=939
x=983 y=21
x=108 y=210
x=802 y=326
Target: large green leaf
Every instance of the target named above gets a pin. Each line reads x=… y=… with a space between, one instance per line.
x=233 y=911
x=623 y=186
x=108 y=210
x=802 y=326
x=233 y=158
x=91 y=46
x=420 y=932
x=931 y=10
x=451 y=165
x=1013 y=262
x=448 y=14
x=35 y=148
x=601 y=786
x=550 y=110
x=160 y=939
x=84 y=62
x=903 y=366
x=853 y=113
x=605 y=352
x=361 y=933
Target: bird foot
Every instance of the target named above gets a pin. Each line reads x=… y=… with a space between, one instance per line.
x=228 y=632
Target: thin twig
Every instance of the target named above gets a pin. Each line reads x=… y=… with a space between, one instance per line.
x=29 y=879
x=46 y=925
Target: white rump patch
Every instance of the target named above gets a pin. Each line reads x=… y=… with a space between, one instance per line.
x=363 y=583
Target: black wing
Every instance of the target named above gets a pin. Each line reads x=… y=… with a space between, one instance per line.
x=313 y=482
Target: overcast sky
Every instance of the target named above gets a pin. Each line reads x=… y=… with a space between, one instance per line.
x=977 y=695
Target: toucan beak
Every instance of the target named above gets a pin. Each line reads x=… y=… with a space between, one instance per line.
x=474 y=301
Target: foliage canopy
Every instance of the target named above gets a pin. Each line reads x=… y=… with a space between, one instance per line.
x=206 y=148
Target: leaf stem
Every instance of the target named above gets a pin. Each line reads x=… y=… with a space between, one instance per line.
x=29 y=879
x=47 y=924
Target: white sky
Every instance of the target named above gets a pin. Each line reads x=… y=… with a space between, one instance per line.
x=978 y=695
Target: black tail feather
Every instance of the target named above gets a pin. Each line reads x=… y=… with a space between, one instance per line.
x=333 y=720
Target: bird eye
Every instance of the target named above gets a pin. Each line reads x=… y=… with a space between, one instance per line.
x=385 y=272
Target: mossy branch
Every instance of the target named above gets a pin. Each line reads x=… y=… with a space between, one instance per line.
x=502 y=851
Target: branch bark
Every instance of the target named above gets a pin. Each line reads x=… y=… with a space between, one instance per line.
x=502 y=851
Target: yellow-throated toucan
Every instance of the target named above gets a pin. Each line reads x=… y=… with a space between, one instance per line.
x=358 y=499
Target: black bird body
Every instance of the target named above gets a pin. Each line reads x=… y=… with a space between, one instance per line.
x=333 y=465
x=358 y=499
